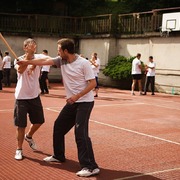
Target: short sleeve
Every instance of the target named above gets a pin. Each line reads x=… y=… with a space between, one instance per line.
x=57 y=61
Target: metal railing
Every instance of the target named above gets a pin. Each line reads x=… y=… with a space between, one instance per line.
x=139 y=23
x=55 y=25
x=134 y=23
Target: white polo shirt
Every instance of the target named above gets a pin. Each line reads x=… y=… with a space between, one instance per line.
x=45 y=68
x=151 y=72
x=7 y=60
x=135 y=66
x=27 y=86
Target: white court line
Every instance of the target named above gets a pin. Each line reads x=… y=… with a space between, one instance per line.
x=138 y=103
x=147 y=174
x=49 y=109
x=163 y=106
x=135 y=132
x=127 y=130
x=123 y=104
x=6 y=110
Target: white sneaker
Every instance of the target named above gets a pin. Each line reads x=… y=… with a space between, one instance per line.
x=18 y=155
x=50 y=159
x=31 y=142
x=85 y=172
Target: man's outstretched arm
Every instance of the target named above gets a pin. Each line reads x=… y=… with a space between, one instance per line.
x=45 y=61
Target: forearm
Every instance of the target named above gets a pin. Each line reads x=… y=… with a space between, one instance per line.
x=39 y=62
x=94 y=63
x=20 y=69
x=150 y=67
x=91 y=85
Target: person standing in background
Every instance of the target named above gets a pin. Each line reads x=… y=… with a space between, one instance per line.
x=136 y=74
x=95 y=64
x=150 y=75
x=44 y=76
x=7 y=69
x=1 y=72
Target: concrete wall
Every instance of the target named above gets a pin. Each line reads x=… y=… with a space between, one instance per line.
x=49 y=43
x=165 y=50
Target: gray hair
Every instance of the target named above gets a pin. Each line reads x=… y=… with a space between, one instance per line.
x=28 y=41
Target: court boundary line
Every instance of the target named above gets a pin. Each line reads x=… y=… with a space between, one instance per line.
x=178 y=109
x=150 y=173
x=135 y=132
x=127 y=130
x=120 y=104
x=138 y=103
x=6 y=110
x=116 y=127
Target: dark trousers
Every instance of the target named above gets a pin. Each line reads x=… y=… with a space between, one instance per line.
x=7 y=72
x=149 y=80
x=43 y=84
x=76 y=115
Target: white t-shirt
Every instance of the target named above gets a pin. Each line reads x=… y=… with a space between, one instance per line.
x=7 y=60
x=151 y=72
x=45 y=68
x=75 y=77
x=27 y=86
x=96 y=69
x=135 y=66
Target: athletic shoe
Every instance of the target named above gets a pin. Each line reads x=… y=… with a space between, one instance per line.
x=53 y=159
x=19 y=154
x=31 y=142
x=85 y=172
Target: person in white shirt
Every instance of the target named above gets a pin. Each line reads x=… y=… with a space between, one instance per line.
x=150 y=76
x=7 y=69
x=136 y=74
x=95 y=64
x=27 y=98
x=44 y=76
x=78 y=81
x=1 y=71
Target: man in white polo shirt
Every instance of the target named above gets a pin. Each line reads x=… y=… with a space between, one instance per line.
x=44 y=76
x=27 y=98
x=136 y=74
x=7 y=69
x=150 y=76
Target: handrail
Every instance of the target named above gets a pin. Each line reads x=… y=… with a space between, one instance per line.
x=131 y=23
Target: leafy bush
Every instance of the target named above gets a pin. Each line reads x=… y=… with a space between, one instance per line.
x=119 y=68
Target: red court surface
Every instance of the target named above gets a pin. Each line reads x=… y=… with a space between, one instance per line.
x=134 y=137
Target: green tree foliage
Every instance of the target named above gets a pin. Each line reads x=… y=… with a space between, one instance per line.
x=119 y=68
x=148 y=5
x=84 y=7
x=95 y=7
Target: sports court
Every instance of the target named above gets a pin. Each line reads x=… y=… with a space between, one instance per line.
x=134 y=137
